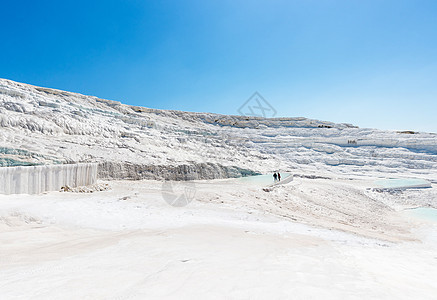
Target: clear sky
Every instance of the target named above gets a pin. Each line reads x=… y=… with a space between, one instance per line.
x=370 y=63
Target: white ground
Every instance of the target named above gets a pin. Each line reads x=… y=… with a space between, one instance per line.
x=308 y=239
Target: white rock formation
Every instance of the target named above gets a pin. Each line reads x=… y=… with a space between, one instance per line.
x=45 y=126
x=38 y=179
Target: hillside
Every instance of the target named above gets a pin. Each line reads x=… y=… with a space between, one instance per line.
x=45 y=126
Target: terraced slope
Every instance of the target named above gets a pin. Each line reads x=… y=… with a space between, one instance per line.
x=44 y=126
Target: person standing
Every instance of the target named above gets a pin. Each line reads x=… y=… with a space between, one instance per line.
x=275 y=176
x=279 y=176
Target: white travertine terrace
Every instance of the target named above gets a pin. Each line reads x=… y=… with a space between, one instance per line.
x=38 y=179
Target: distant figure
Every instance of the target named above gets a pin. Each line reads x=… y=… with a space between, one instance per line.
x=279 y=176
x=275 y=177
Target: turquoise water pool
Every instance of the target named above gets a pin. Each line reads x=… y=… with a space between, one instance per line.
x=424 y=213
x=403 y=183
x=261 y=180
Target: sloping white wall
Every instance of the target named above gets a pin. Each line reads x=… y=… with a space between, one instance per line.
x=38 y=179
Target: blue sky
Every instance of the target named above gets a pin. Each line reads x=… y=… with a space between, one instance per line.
x=370 y=63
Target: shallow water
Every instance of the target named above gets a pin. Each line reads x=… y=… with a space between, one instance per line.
x=262 y=179
x=424 y=213
x=402 y=183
